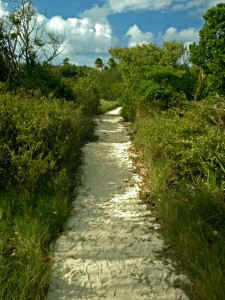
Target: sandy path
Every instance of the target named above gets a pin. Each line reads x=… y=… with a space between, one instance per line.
x=110 y=248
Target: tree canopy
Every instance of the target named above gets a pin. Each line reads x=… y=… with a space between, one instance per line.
x=209 y=54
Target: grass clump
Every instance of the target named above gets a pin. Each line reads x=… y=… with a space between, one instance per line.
x=25 y=240
x=183 y=149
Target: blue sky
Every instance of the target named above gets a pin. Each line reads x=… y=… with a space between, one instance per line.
x=92 y=27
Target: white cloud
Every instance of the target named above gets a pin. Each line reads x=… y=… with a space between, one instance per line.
x=118 y=6
x=3 y=9
x=205 y=4
x=96 y=14
x=195 y=3
x=185 y=36
x=177 y=7
x=137 y=37
x=57 y=24
x=196 y=6
x=89 y=35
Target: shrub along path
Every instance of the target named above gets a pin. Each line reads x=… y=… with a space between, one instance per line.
x=111 y=249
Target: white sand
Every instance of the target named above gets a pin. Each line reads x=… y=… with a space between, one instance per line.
x=109 y=250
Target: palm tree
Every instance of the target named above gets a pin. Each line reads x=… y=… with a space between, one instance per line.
x=111 y=63
x=99 y=63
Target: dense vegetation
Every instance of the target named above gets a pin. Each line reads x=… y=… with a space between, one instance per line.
x=178 y=119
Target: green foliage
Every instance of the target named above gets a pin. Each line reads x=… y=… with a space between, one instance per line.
x=86 y=94
x=183 y=151
x=25 y=42
x=40 y=138
x=68 y=70
x=216 y=170
x=4 y=55
x=44 y=79
x=37 y=136
x=108 y=84
x=209 y=53
x=193 y=223
x=185 y=135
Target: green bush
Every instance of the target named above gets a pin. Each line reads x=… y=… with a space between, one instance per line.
x=184 y=135
x=86 y=94
x=44 y=79
x=37 y=136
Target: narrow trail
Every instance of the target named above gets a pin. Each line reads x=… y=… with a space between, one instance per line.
x=111 y=247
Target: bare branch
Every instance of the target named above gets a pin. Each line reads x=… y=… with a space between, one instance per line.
x=26 y=39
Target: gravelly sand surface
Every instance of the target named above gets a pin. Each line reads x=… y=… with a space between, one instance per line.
x=109 y=250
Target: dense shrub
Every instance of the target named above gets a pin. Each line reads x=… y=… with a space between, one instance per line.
x=44 y=79
x=37 y=136
x=86 y=94
x=184 y=135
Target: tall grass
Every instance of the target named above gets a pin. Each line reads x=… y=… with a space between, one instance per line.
x=183 y=150
x=24 y=250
